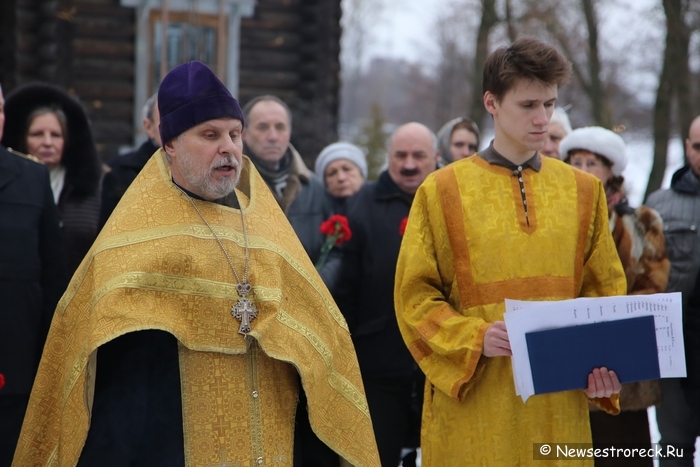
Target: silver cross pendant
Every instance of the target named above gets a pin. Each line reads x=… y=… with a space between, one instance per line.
x=244 y=310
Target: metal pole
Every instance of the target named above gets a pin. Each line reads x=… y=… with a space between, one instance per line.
x=163 y=39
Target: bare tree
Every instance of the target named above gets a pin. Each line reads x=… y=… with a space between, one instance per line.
x=510 y=21
x=673 y=79
x=453 y=70
x=489 y=19
x=373 y=140
x=358 y=22
x=686 y=109
x=693 y=22
x=594 y=86
x=580 y=45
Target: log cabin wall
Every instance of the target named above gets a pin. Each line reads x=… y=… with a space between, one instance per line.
x=33 y=45
x=85 y=46
x=289 y=48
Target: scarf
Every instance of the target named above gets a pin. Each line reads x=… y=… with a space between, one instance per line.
x=283 y=181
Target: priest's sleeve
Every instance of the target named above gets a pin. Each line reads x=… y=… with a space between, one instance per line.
x=446 y=344
x=603 y=274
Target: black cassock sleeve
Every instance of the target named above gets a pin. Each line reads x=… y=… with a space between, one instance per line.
x=136 y=418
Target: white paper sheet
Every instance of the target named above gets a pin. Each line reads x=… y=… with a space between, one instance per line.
x=522 y=317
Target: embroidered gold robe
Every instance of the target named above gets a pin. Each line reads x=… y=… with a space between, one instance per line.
x=155 y=265
x=452 y=278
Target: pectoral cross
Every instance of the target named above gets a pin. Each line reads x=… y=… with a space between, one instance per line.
x=244 y=310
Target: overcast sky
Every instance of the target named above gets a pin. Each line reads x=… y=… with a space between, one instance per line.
x=404 y=31
x=405 y=28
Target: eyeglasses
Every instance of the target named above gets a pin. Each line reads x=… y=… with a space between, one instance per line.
x=588 y=163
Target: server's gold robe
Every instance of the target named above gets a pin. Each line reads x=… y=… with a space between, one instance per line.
x=157 y=266
x=454 y=272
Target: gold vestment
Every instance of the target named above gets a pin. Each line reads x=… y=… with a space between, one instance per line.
x=155 y=265
x=470 y=243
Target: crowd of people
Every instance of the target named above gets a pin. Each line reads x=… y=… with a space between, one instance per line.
x=180 y=306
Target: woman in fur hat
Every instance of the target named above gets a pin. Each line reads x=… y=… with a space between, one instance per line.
x=45 y=121
x=638 y=235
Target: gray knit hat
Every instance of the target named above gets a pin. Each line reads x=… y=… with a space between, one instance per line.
x=337 y=151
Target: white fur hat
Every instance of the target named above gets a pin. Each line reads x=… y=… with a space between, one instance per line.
x=599 y=141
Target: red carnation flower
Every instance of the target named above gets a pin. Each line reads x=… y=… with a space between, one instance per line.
x=2 y=380
x=402 y=226
x=337 y=227
x=337 y=230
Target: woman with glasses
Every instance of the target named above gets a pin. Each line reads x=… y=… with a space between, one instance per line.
x=457 y=139
x=638 y=235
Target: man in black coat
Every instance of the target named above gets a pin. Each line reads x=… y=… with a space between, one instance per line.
x=365 y=291
x=678 y=414
x=32 y=279
x=125 y=168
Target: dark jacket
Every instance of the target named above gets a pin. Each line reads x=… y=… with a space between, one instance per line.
x=79 y=216
x=365 y=291
x=123 y=171
x=79 y=203
x=32 y=269
x=679 y=207
x=306 y=209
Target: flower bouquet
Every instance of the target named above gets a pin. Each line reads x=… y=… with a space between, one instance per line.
x=337 y=231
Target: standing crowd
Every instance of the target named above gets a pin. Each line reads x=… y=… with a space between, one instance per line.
x=181 y=304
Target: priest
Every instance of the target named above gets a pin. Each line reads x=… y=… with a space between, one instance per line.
x=196 y=319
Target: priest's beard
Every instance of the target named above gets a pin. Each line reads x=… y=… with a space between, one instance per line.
x=203 y=178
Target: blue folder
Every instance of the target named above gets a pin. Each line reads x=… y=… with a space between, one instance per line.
x=562 y=358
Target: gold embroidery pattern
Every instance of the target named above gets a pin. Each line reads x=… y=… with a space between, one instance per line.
x=150 y=269
x=256 y=423
x=237 y=407
x=201 y=232
x=337 y=381
x=178 y=284
x=569 y=243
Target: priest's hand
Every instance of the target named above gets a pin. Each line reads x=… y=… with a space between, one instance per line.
x=602 y=383
x=496 y=342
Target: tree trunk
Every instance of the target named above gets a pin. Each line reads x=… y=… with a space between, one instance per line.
x=510 y=21
x=596 y=90
x=684 y=93
x=489 y=19
x=664 y=97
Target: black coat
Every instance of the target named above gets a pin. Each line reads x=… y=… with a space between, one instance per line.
x=679 y=207
x=365 y=290
x=124 y=170
x=32 y=279
x=79 y=203
x=305 y=211
x=32 y=268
